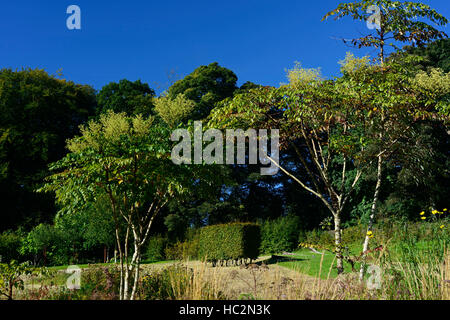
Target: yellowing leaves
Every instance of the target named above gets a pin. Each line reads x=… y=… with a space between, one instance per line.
x=174 y=111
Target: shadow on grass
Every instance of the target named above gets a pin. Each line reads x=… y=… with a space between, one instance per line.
x=274 y=259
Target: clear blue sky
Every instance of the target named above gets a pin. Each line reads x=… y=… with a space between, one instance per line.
x=257 y=39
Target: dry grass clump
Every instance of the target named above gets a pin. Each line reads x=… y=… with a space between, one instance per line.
x=427 y=280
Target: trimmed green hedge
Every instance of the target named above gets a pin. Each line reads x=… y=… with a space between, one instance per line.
x=230 y=241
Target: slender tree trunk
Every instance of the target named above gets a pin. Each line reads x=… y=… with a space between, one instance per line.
x=338 y=243
x=371 y=217
x=127 y=268
x=137 y=262
x=125 y=283
x=136 y=280
x=379 y=175
x=121 y=280
x=121 y=260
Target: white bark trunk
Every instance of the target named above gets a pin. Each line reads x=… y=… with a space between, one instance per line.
x=338 y=243
x=136 y=272
x=371 y=217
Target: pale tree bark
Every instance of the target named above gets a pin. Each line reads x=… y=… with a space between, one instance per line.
x=138 y=226
x=373 y=210
x=140 y=233
x=379 y=170
x=118 y=243
x=338 y=243
x=372 y=216
x=125 y=264
x=136 y=264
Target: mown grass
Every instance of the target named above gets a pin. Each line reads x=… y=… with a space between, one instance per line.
x=157 y=262
x=312 y=264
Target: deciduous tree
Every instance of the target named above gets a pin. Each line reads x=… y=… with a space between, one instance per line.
x=395 y=22
x=128 y=160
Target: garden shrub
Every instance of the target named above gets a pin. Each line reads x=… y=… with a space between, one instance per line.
x=11 y=277
x=350 y=236
x=47 y=246
x=320 y=237
x=354 y=235
x=9 y=246
x=175 y=251
x=230 y=241
x=280 y=235
x=395 y=233
x=156 y=248
x=192 y=246
x=186 y=250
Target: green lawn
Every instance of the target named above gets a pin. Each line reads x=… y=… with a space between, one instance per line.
x=310 y=263
x=157 y=262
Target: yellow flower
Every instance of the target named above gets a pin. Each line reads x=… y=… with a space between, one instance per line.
x=375 y=109
x=422 y=213
x=434 y=211
x=370 y=234
x=423 y=218
x=442 y=227
x=445 y=209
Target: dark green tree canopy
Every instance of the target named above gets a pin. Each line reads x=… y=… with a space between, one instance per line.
x=436 y=54
x=39 y=112
x=207 y=85
x=246 y=87
x=126 y=96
